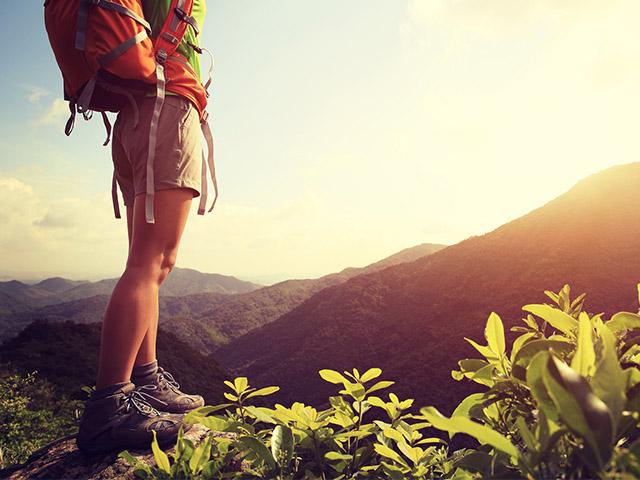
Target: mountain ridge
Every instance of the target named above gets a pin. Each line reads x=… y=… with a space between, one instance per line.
x=410 y=319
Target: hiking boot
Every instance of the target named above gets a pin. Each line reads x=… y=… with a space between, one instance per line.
x=118 y=417
x=163 y=390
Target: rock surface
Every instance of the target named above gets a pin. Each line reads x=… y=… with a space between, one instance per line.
x=62 y=460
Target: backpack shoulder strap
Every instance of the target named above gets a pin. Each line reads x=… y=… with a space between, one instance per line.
x=174 y=27
x=165 y=45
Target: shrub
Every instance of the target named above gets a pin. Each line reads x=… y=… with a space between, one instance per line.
x=563 y=402
x=31 y=415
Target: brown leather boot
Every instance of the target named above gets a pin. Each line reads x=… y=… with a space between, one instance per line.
x=163 y=390
x=119 y=417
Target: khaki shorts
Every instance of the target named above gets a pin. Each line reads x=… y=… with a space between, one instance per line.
x=178 y=161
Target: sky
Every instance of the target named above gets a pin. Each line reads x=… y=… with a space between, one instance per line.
x=346 y=130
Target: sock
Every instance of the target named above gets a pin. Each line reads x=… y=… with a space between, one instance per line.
x=143 y=374
x=108 y=390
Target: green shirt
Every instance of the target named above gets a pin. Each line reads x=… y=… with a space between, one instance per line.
x=155 y=12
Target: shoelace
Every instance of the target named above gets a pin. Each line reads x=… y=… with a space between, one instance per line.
x=168 y=378
x=137 y=399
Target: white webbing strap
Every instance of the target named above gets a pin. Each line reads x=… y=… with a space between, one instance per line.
x=153 y=136
x=114 y=194
x=206 y=130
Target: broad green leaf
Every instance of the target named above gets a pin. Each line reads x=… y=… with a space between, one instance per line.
x=262 y=414
x=494 y=333
x=263 y=392
x=519 y=342
x=230 y=396
x=332 y=376
x=217 y=424
x=394 y=434
x=412 y=453
x=240 y=384
x=482 y=433
x=623 y=321
x=387 y=452
x=484 y=351
x=200 y=456
x=584 y=359
x=356 y=390
x=553 y=296
x=256 y=450
x=609 y=380
x=484 y=376
x=379 y=386
x=530 y=349
x=468 y=367
x=463 y=409
x=554 y=317
x=580 y=409
x=282 y=445
x=370 y=375
x=162 y=460
x=338 y=456
x=535 y=380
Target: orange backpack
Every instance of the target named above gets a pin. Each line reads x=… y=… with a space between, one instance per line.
x=107 y=56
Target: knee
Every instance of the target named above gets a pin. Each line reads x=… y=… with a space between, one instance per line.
x=155 y=269
x=169 y=258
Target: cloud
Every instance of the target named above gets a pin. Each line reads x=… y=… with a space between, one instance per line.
x=46 y=229
x=35 y=94
x=56 y=113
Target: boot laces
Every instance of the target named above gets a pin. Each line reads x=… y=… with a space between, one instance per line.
x=168 y=378
x=138 y=400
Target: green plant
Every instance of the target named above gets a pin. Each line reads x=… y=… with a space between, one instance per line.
x=562 y=402
x=31 y=415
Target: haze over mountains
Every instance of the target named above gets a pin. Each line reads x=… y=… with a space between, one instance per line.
x=18 y=295
x=407 y=314
x=228 y=307
x=410 y=319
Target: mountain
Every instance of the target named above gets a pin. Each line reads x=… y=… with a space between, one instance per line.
x=66 y=354
x=410 y=319
x=18 y=296
x=91 y=310
x=181 y=281
x=57 y=284
x=237 y=314
x=204 y=320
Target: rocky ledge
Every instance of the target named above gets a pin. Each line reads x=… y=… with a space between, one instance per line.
x=62 y=460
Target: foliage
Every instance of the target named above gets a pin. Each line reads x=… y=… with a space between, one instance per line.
x=562 y=402
x=31 y=415
x=66 y=355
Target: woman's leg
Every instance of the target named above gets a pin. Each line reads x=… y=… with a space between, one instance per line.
x=147 y=352
x=133 y=305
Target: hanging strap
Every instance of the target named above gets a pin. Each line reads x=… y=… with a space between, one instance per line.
x=84 y=100
x=206 y=131
x=161 y=57
x=68 y=128
x=114 y=194
x=107 y=126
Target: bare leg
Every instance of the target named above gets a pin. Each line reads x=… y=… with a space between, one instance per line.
x=147 y=352
x=134 y=302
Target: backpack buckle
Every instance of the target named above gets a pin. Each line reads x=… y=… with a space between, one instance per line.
x=161 y=56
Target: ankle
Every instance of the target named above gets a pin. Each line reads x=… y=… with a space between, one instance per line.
x=144 y=373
